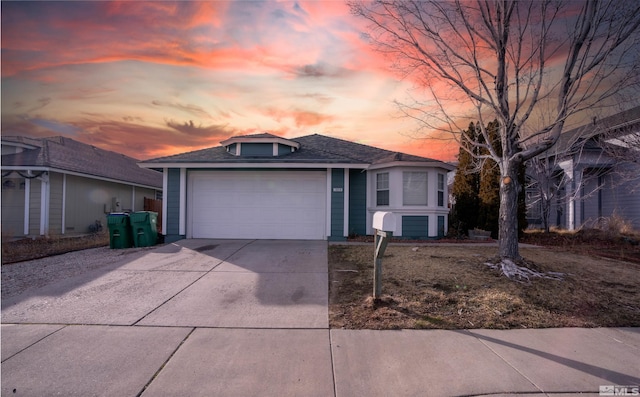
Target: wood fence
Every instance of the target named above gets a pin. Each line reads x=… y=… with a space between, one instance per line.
x=155 y=206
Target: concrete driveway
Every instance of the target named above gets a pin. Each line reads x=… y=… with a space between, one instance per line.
x=191 y=283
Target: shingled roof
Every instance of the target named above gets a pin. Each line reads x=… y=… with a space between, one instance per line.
x=66 y=154
x=313 y=149
x=619 y=122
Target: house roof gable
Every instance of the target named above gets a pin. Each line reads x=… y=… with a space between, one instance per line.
x=259 y=138
x=67 y=154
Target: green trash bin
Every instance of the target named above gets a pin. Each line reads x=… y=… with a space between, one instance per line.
x=119 y=230
x=143 y=228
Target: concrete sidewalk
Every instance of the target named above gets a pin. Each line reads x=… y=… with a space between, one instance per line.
x=76 y=360
x=250 y=318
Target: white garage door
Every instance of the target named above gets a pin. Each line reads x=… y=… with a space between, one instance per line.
x=257 y=204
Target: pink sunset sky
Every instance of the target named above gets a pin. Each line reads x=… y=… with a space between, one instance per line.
x=150 y=79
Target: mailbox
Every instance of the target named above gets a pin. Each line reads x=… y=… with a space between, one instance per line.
x=385 y=221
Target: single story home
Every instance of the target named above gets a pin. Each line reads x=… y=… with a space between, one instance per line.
x=57 y=186
x=592 y=173
x=263 y=186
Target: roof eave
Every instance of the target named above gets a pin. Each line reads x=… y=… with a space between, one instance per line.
x=435 y=164
x=19 y=144
x=81 y=174
x=222 y=165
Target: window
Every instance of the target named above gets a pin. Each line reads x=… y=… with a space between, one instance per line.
x=440 y=190
x=382 y=188
x=414 y=188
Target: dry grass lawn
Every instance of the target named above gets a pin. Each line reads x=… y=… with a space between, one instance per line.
x=41 y=247
x=448 y=286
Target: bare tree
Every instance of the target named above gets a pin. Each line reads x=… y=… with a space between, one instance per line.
x=530 y=65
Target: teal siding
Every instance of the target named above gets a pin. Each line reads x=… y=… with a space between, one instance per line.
x=283 y=149
x=440 y=226
x=357 y=202
x=172 y=195
x=232 y=148
x=337 y=204
x=415 y=226
x=256 y=149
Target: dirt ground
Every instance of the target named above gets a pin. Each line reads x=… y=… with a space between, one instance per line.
x=450 y=287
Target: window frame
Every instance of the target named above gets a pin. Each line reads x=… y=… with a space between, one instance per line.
x=405 y=196
x=380 y=189
x=441 y=200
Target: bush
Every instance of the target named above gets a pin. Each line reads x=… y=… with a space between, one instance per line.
x=614 y=224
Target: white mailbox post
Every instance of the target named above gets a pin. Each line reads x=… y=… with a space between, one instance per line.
x=384 y=224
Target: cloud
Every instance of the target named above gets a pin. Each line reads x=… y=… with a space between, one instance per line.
x=320 y=98
x=188 y=108
x=84 y=93
x=41 y=103
x=321 y=69
x=158 y=78
x=300 y=117
x=211 y=131
x=131 y=119
x=52 y=34
x=20 y=125
x=128 y=137
x=144 y=141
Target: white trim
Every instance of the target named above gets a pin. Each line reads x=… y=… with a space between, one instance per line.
x=183 y=202
x=329 y=190
x=189 y=231
x=410 y=210
x=165 y=183
x=429 y=164
x=370 y=180
x=18 y=145
x=238 y=148
x=345 y=192
x=44 y=204
x=61 y=171
x=275 y=149
x=319 y=166
x=64 y=203
x=133 y=198
x=27 y=201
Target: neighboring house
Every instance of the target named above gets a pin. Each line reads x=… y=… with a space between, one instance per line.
x=56 y=185
x=594 y=172
x=313 y=187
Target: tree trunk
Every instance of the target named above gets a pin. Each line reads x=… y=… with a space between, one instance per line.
x=508 y=234
x=546 y=210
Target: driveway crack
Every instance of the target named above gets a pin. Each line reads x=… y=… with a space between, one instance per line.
x=191 y=283
x=155 y=375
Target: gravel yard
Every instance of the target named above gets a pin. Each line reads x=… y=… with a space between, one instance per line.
x=22 y=276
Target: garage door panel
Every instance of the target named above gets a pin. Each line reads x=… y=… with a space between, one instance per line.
x=258 y=204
